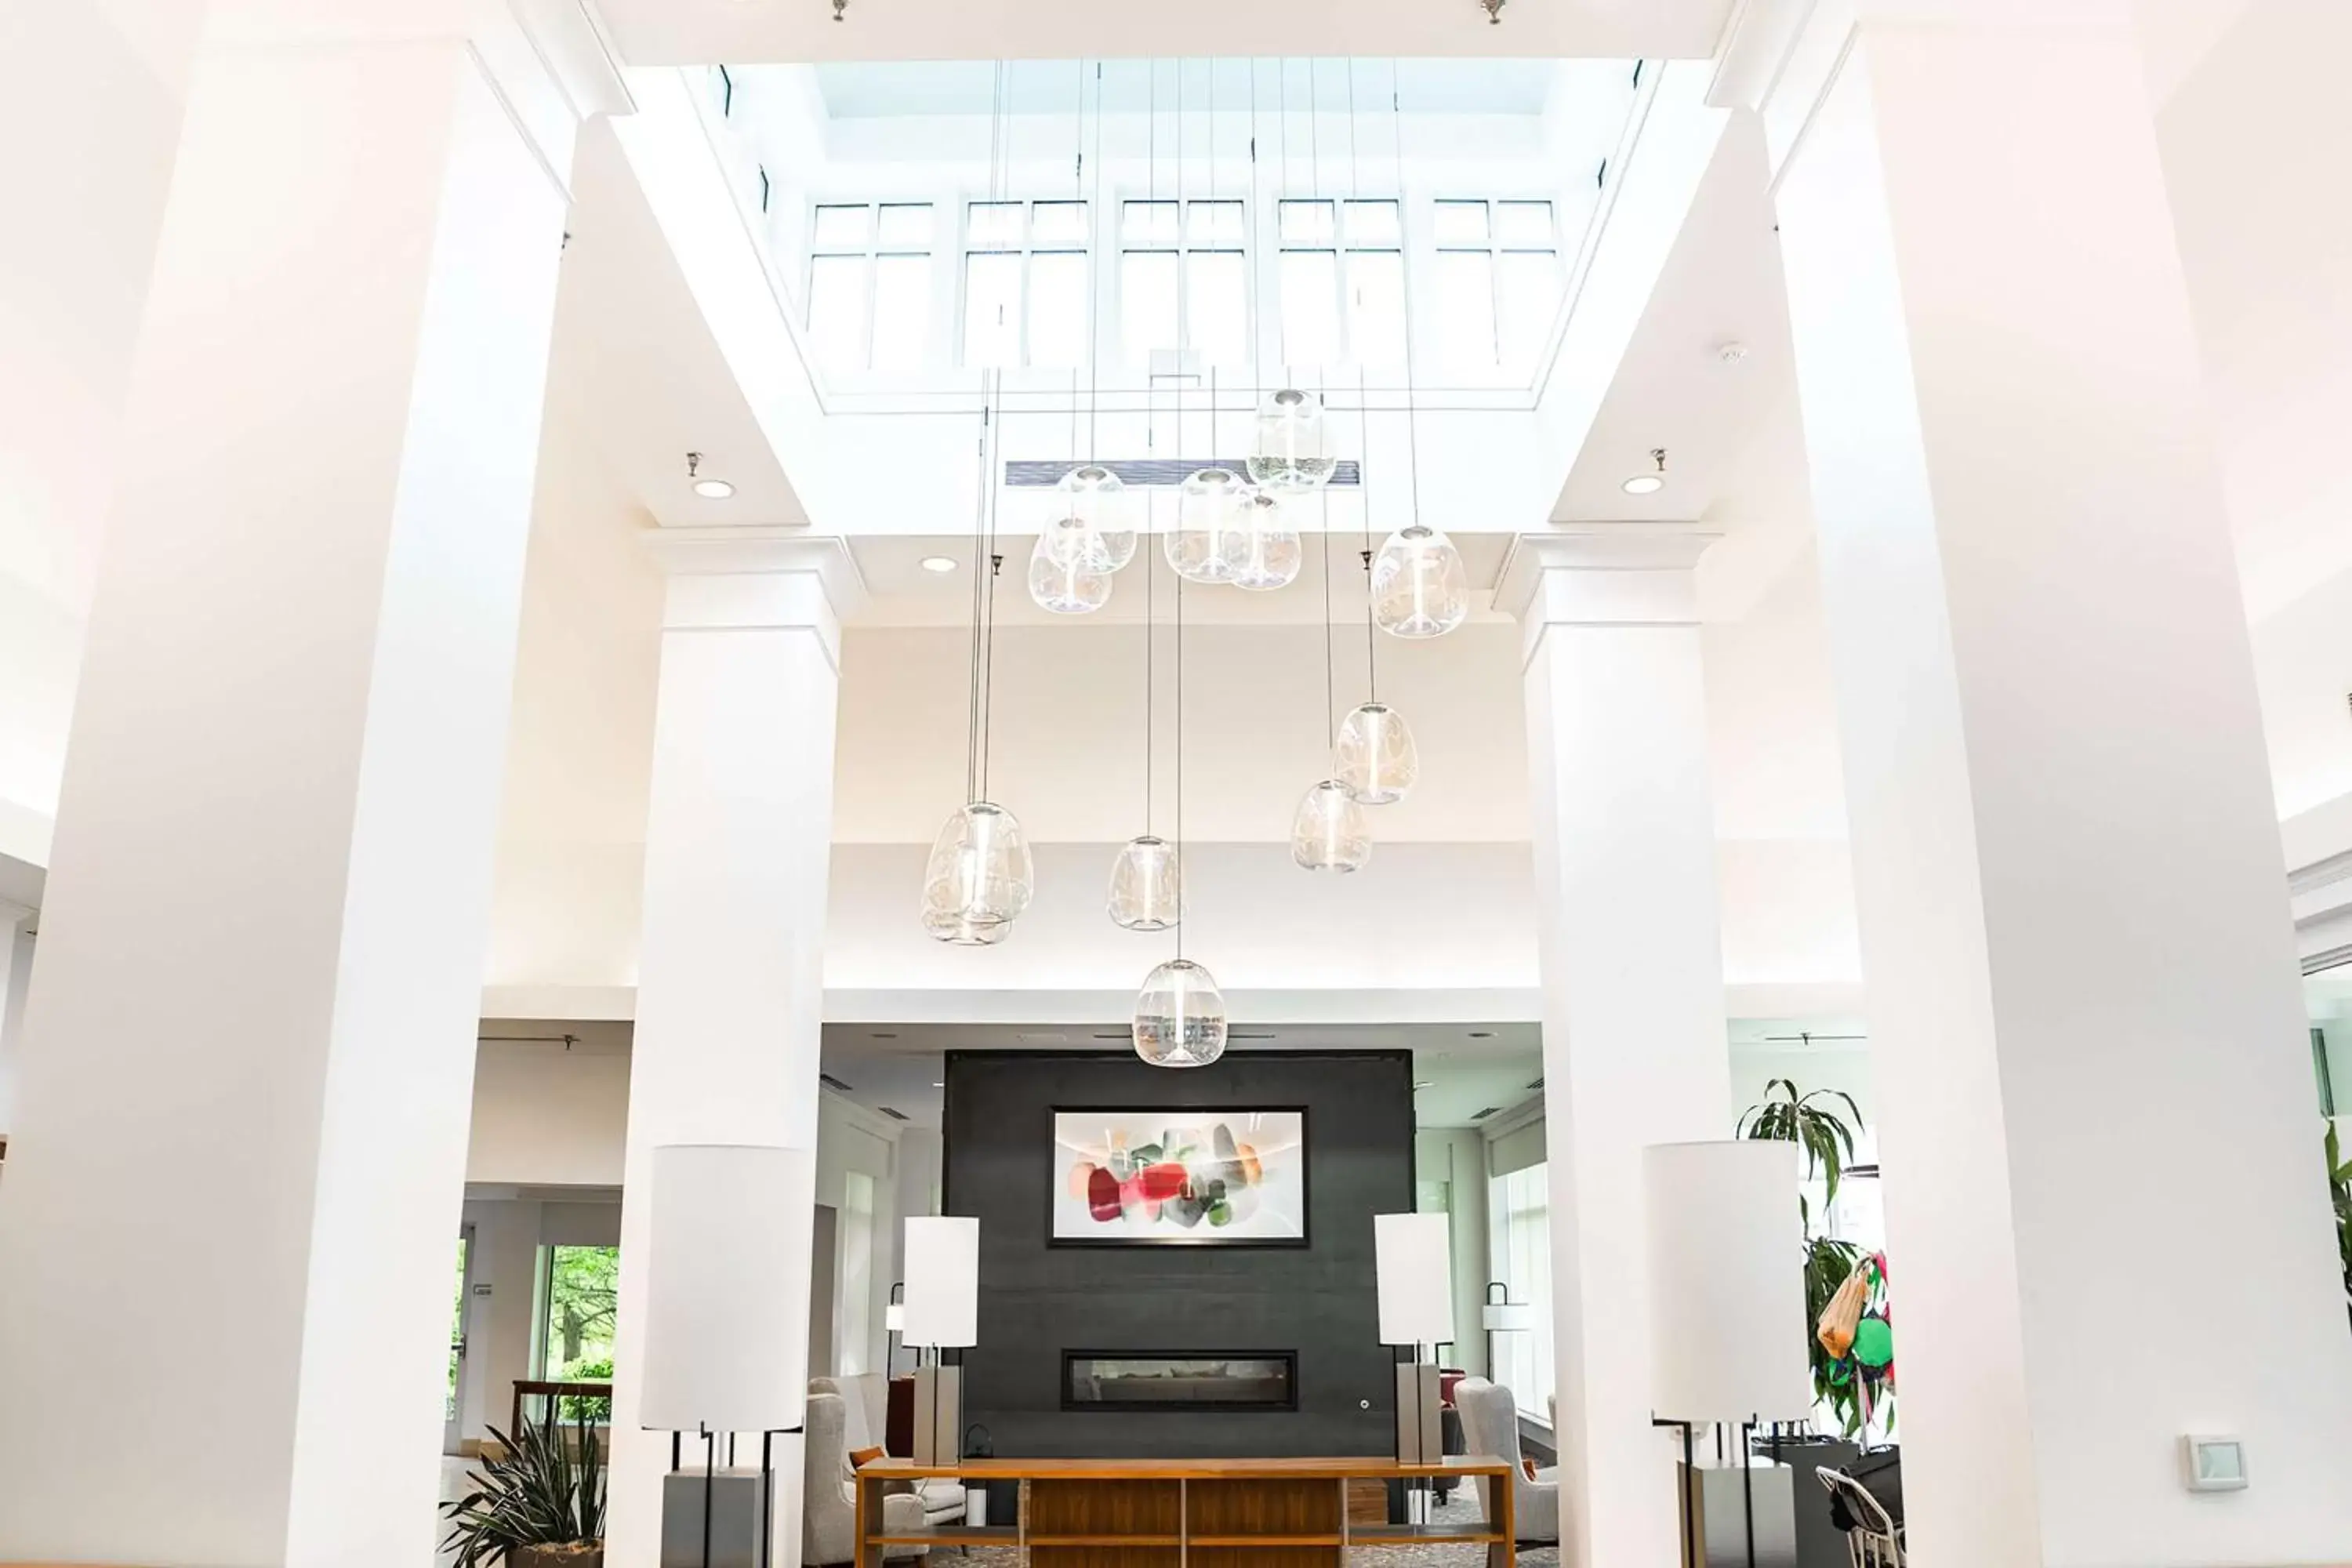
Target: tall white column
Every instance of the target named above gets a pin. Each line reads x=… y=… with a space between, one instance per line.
x=2105 y=1218
x=1634 y=1048
x=730 y=977
x=234 y=1183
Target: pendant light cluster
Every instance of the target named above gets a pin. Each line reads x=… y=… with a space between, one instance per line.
x=1233 y=526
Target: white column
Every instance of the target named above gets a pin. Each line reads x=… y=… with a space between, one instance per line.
x=2105 y=1219
x=1634 y=1048
x=233 y=1186
x=15 y=970
x=730 y=979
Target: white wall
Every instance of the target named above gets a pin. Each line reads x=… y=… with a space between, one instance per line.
x=545 y=1115
x=1457 y=1156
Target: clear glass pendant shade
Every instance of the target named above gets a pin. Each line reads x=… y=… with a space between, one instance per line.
x=1329 y=833
x=1269 y=553
x=1291 y=451
x=1374 y=758
x=1063 y=577
x=1207 y=540
x=1097 y=527
x=980 y=878
x=1147 y=885
x=1419 y=588
x=1180 y=1016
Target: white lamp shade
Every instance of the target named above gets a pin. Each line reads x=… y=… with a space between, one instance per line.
x=1414 y=1266
x=894 y=1317
x=943 y=1269
x=1509 y=1316
x=1726 y=1282
x=726 y=1289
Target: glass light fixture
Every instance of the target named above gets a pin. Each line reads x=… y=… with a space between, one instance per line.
x=1208 y=536
x=1328 y=833
x=1064 y=579
x=1269 y=553
x=1291 y=451
x=1098 y=520
x=1147 y=885
x=1419 y=588
x=1374 y=758
x=980 y=878
x=1180 y=1016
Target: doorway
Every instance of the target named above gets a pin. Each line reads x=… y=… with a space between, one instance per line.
x=826 y=1237
x=453 y=1409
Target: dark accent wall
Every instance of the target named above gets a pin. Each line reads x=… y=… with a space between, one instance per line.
x=1037 y=1300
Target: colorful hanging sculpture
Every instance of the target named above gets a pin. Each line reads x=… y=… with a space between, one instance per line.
x=1857 y=1330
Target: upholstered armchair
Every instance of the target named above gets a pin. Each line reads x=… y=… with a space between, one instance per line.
x=829 y=1499
x=865 y=1400
x=1490 y=1426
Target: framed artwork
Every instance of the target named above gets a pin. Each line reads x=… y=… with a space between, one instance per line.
x=1179 y=1178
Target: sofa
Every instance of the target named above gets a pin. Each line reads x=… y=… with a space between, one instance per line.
x=865 y=1398
x=828 y=1497
x=1490 y=1426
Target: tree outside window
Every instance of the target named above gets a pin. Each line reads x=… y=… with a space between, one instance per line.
x=580 y=1285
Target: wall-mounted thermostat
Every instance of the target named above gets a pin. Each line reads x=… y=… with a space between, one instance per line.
x=2212 y=1464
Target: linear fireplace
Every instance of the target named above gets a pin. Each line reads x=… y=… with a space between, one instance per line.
x=1179 y=1380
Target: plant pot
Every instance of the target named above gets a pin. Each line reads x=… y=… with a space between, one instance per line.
x=570 y=1554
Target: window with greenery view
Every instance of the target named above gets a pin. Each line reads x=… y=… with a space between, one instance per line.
x=579 y=1287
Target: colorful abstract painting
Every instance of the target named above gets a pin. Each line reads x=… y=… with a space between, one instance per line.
x=1180 y=1177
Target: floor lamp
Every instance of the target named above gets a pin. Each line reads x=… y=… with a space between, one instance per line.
x=727 y=1306
x=1727 y=1303
x=942 y=1312
x=1413 y=1271
x=1502 y=1317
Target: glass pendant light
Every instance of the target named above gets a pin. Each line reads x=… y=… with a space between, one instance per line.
x=1374 y=758
x=1328 y=833
x=1291 y=453
x=980 y=878
x=1071 y=587
x=1098 y=524
x=1419 y=588
x=1180 y=1016
x=1208 y=536
x=1269 y=553
x=1147 y=885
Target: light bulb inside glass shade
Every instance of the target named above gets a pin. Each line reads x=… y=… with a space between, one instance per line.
x=1098 y=520
x=1071 y=587
x=1374 y=758
x=1419 y=588
x=1147 y=885
x=1180 y=1016
x=1329 y=833
x=1206 y=542
x=980 y=878
x=1270 y=554
x=1291 y=451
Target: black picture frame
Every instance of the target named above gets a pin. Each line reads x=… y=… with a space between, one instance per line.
x=1154 y=1243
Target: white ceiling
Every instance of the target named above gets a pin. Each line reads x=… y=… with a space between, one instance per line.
x=708 y=32
x=868 y=89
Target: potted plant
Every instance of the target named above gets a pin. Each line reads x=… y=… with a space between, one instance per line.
x=540 y=1504
x=2339 y=1186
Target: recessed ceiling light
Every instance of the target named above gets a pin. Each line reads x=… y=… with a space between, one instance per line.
x=939 y=1083
x=938 y=563
x=1425 y=1083
x=1648 y=484
x=704 y=484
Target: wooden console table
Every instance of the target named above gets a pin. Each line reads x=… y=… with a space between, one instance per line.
x=1182 y=1513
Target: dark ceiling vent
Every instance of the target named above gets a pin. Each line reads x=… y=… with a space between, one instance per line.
x=1490 y=1110
x=830 y=1082
x=1249 y=1034
x=893 y=1112
x=1538 y=1083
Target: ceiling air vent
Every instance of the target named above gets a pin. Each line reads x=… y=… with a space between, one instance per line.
x=893 y=1112
x=1538 y=1084
x=832 y=1082
x=1490 y=1110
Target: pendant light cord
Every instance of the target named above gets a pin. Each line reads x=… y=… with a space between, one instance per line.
x=998 y=158
x=1095 y=220
x=1404 y=269
x=1364 y=413
x=1181 y=923
x=971 y=668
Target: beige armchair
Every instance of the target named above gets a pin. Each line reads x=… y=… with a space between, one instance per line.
x=829 y=1498
x=866 y=1399
x=1490 y=1426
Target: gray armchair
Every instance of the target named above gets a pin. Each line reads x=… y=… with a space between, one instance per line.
x=829 y=1500
x=866 y=1401
x=1490 y=1426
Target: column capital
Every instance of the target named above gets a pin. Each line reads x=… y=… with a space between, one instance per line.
x=755 y=579
x=1602 y=574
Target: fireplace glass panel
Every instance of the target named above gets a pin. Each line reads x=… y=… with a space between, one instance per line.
x=1128 y=1380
